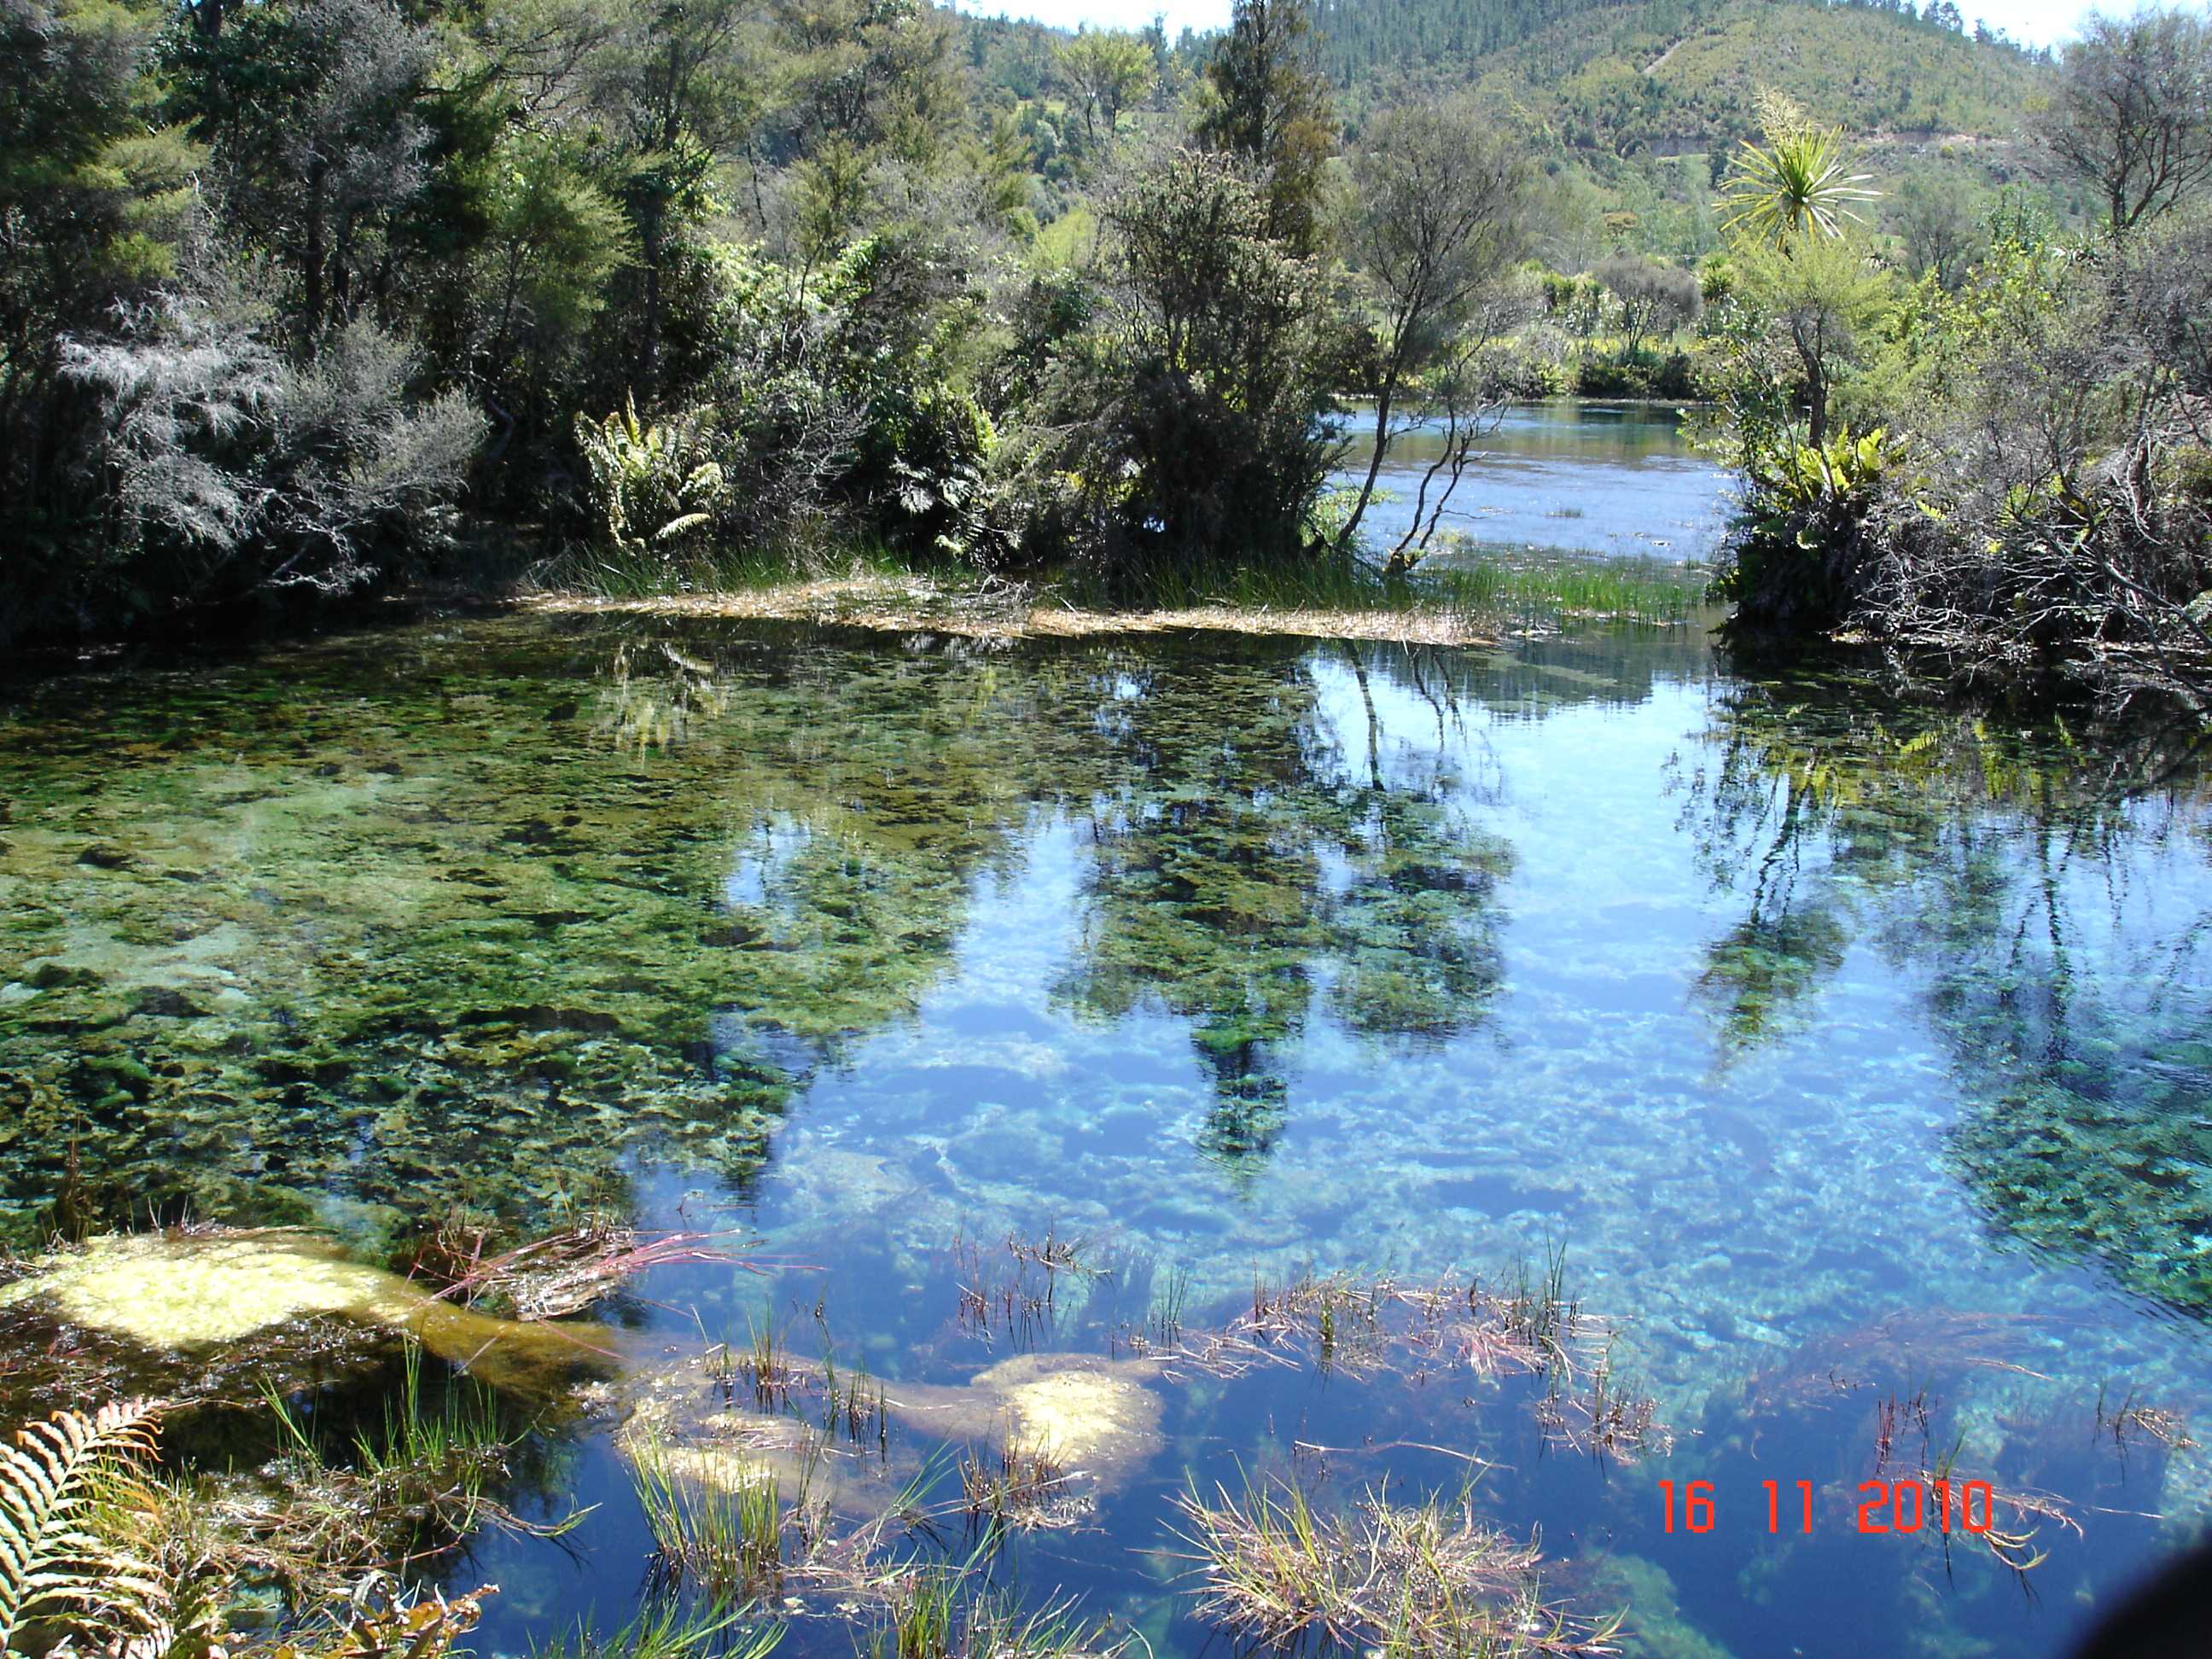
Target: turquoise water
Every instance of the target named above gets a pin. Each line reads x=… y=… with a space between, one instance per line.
x=1617 y=479
x=1851 y=1054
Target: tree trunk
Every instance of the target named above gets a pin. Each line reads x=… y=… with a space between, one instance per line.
x=1383 y=401
x=648 y=356
x=312 y=261
x=1385 y=395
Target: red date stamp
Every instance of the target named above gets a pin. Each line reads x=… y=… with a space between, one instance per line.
x=1883 y=1506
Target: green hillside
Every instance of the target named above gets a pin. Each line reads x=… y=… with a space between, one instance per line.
x=1636 y=104
x=1670 y=75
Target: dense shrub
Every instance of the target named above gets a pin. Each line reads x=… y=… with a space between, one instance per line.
x=1201 y=374
x=213 y=466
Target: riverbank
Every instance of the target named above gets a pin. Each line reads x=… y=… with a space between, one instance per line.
x=1012 y=612
x=1482 y=597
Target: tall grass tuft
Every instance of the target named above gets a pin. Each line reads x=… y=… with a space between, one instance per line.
x=1426 y=1581
x=928 y=1619
x=727 y=1537
x=669 y=1630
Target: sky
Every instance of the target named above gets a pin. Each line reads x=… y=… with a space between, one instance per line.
x=2037 y=22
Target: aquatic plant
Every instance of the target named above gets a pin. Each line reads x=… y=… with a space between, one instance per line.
x=1051 y=1252
x=1535 y=589
x=927 y=1619
x=667 y=1629
x=858 y=1406
x=1020 y=1485
x=1526 y=1325
x=424 y=1476
x=2026 y=1510
x=440 y=1459
x=921 y=1622
x=997 y=1627
x=727 y=1536
x=773 y=1378
x=1013 y=1297
x=2165 y=1428
x=1163 y=1322
x=1601 y=1415
x=1427 y=1580
x=553 y=1276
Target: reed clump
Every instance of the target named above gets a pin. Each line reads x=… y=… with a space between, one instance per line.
x=928 y=1618
x=1020 y=1485
x=1526 y=1325
x=668 y=1629
x=726 y=1535
x=1011 y=1291
x=1425 y=1580
x=770 y=1522
x=331 y=1510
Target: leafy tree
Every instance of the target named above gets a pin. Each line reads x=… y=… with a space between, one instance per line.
x=2133 y=113
x=1270 y=107
x=831 y=196
x=1653 y=295
x=1204 y=434
x=1440 y=213
x=1002 y=159
x=1817 y=301
x=878 y=75
x=552 y=240
x=1943 y=219
x=96 y=201
x=314 y=111
x=1105 y=71
x=676 y=80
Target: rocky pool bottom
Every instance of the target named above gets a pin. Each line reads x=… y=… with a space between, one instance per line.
x=1023 y=1007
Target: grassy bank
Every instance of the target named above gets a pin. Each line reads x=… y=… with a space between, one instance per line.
x=1480 y=597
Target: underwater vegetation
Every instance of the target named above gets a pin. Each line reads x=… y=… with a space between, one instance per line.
x=871 y=1126
x=1226 y=870
x=617 y=900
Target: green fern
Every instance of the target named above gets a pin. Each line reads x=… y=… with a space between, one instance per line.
x=54 y=1481
x=647 y=481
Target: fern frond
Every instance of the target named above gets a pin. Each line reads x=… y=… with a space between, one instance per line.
x=675 y=527
x=53 y=1482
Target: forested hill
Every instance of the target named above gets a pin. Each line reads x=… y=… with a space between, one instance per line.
x=1676 y=74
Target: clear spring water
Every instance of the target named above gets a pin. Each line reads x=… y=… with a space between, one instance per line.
x=1855 y=1053
x=1616 y=479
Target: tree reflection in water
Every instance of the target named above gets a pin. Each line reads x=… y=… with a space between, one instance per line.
x=2051 y=894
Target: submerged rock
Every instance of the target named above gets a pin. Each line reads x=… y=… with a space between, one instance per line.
x=1094 y=1419
x=183 y=1293
x=1084 y=1411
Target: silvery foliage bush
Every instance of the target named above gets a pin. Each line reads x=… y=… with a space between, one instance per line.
x=216 y=452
